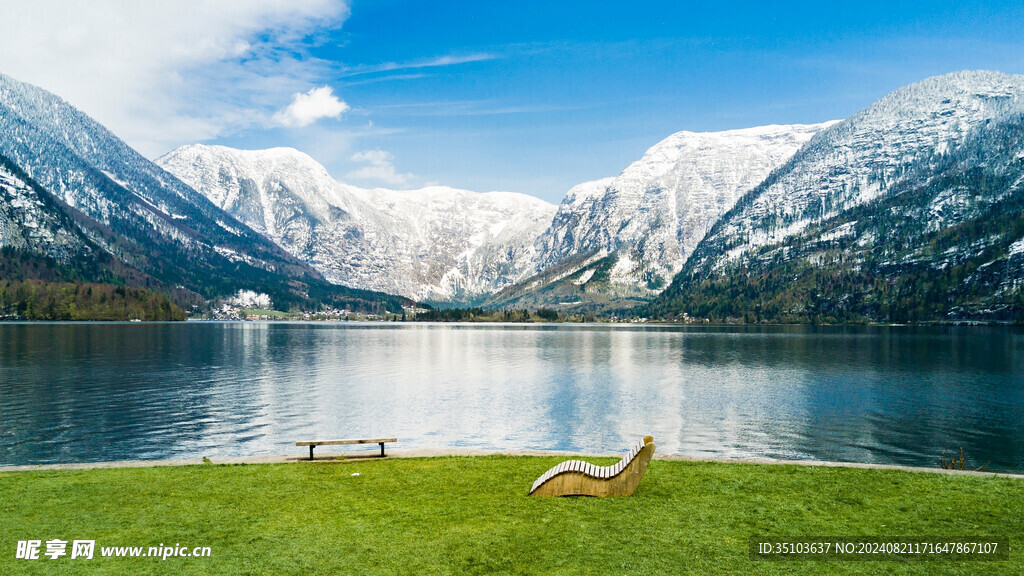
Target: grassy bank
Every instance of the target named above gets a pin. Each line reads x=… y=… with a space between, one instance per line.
x=464 y=515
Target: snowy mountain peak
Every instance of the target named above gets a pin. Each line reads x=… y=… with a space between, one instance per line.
x=968 y=89
x=267 y=160
x=660 y=207
x=243 y=182
x=436 y=243
x=910 y=210
x=141 y=215
x=857 y=160
x=941 y=108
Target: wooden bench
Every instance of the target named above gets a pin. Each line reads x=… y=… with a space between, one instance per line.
x=314 y=443
x=579 y=478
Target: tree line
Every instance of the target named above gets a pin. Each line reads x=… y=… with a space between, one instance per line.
x=40 y=300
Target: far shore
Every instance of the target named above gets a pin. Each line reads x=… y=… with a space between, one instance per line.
x=604 y=322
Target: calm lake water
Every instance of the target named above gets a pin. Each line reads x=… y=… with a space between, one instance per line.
x=94 y=392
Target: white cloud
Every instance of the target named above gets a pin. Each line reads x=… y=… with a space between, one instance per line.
x=379 y=168
x=311 y=106
x=415 y=64
x=160 y=74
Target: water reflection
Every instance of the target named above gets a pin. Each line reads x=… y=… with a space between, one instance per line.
x=89 y=392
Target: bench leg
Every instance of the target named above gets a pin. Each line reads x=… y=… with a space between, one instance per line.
x=310 y=452
x=381 y=449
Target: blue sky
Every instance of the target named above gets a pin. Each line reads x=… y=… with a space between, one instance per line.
x=531 y=97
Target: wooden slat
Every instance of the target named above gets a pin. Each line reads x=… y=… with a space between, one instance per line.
x=355 y=441
x=576 y=477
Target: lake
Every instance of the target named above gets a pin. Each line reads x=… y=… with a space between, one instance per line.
x=893 y=395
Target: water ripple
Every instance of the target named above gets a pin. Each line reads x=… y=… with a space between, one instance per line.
x=90 y=392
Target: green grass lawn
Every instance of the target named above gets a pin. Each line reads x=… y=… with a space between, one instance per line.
x=463 y=515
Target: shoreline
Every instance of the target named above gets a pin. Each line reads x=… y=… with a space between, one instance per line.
x=648 y=323
x=342 y=457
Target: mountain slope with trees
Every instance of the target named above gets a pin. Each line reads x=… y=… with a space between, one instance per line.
x=940 y=236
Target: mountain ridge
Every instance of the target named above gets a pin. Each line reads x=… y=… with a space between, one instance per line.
x=620 y=240
x=941 y=154
x=838 y=221
x=142 y=216
x=436 y=243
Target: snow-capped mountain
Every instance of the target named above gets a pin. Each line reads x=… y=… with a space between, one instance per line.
x=632 y=233
x=94 y=172
x=914 y=201
x=434 y=244
x=160 y=231
x=856 y=160
x=911 y=209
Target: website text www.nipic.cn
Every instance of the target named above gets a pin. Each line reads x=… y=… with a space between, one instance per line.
x=86 y=550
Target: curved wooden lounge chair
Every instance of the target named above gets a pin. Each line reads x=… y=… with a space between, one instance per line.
x=578 y=478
